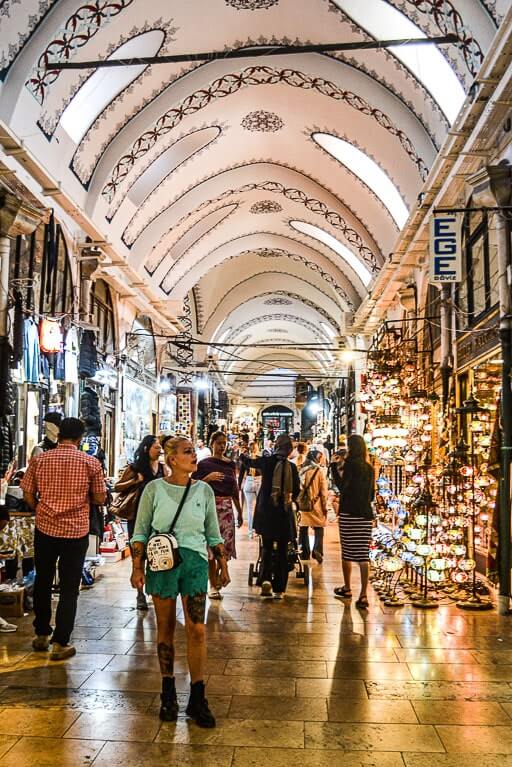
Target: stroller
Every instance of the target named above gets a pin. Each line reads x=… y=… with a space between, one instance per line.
x=294 y=561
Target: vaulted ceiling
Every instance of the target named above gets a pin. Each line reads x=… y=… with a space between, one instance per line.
x=267 y=190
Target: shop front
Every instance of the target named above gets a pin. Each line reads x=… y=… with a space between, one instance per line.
x=276 y=420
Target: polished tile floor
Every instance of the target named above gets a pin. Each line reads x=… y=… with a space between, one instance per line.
x=307 y=680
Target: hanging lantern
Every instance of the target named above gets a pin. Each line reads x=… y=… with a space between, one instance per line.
x=439 y=564
x=392 y=565
x=467 y=565
x=435 y=576
x=424 y=550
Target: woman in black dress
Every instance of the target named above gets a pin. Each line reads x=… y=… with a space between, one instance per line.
x=357 y=489
x=274 y=518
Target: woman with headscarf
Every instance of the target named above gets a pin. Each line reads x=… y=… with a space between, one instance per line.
x=356 y=516
x=50 y=440
x=146 y=467
x=274 y=519
x=313 y=513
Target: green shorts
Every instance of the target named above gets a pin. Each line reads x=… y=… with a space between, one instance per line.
x=188 y=579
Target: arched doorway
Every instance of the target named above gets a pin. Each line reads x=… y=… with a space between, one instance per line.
x=277 y=419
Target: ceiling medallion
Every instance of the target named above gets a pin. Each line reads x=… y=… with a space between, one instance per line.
x=265 y=206
x=266 y=122
x=251 y=5
x=277 y=302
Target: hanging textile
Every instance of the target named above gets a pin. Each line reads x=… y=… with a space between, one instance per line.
x=71 y=349
x=5 y=374
x=50 y=336
x=17 y=330
x=88 y=364
x=6 y=445
x=51 y=254
x=31 y=353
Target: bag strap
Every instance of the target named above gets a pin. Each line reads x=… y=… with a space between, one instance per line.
x=180 y=506
x=306 y=487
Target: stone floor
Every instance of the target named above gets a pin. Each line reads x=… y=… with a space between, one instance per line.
x=306 y=680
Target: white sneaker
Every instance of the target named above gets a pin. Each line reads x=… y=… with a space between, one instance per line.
x=266 y=589
x=278 y=595
x=7 y=628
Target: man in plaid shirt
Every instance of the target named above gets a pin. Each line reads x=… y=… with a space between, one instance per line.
x=60 y=485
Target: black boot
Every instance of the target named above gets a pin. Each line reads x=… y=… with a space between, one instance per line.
x=197 y=708
x=169 y=700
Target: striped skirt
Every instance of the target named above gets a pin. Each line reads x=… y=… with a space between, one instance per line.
x=355 y=536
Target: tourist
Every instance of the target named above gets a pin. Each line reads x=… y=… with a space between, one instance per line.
x=202 y=450
x=249 y=481
x=51 y=423
x=302 y=451
x=60 y=485
x=220 y=473
x=195 y=528
x=274 y=518
x=356 y=516
x=145 y=468
x=314 y=512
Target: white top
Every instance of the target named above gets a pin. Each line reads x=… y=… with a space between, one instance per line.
x=71 y=356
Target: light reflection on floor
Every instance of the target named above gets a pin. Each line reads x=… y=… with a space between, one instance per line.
x=309 y=673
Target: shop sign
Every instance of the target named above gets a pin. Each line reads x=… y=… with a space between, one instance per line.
x=106 y=376
x=477 y=344
x=445 y=248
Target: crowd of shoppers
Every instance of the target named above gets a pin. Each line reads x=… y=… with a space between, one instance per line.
x=182 y=529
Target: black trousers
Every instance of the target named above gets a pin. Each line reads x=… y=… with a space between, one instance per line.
x=274 y=564
x=70 y=555
x=318 y=544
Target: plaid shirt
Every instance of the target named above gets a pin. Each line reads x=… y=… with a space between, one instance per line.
x=63 y=479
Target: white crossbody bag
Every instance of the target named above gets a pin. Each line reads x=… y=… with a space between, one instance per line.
x=162 y=549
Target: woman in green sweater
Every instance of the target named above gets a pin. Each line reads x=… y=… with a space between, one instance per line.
x=196 y=528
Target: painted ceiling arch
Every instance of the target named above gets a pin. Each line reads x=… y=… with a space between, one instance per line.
x=195 y=171
x=259 y=287
x=265 y=250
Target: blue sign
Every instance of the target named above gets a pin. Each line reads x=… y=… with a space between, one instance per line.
x=445 y=248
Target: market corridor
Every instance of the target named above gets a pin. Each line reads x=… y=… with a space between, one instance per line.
x=306 y=681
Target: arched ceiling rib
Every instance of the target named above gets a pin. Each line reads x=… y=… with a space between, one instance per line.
x=195 y=171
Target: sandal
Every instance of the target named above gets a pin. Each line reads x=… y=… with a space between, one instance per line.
x=362 y=603
x=341 y=592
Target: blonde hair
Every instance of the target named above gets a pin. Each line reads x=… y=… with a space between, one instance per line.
x=171 y=445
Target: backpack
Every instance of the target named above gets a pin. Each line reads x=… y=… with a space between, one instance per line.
x=304 y=500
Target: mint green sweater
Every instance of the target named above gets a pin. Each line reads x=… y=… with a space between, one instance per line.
x=197 y=525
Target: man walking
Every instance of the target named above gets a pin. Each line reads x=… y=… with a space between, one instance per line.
x=60 y=485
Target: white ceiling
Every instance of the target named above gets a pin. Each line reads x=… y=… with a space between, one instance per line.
x=195 y=171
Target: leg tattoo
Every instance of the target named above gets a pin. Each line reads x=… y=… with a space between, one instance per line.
x=196 y=608
x=166 y=658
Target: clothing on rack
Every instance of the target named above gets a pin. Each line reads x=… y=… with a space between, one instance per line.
x=89 y=406
x=88 y=363
x=31 y=353
x=17 y=330
x=50 y=336
x=71 y=349
x=6 y=445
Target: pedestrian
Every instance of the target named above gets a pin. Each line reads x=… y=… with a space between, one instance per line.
x=51 y=423
x=249 y=481
x=357 y=490
x=302 y=451
x=274 y=518
x=313 y=509
x=220 y=473
x=146 y=467
x=60 y=485
x=195 y=528
x=203 y=451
